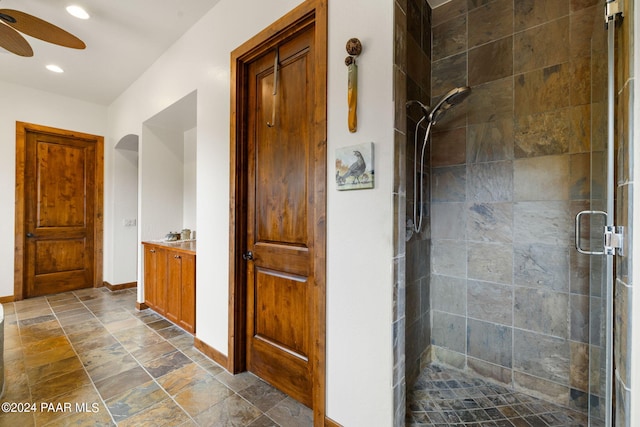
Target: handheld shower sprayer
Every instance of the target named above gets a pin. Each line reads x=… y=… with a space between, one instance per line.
x=431 y=115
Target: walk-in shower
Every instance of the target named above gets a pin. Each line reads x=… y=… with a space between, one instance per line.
x=492 y=285
x=431 y=115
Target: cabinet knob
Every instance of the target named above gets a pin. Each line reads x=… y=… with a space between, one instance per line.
x=177 y=256
x=153 y=251
x=247 y=256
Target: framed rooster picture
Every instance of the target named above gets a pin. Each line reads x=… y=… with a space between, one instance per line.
x=354 y=167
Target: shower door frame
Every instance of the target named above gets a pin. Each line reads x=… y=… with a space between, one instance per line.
x=601 y=262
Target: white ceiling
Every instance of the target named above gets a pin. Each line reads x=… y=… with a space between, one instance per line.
x=123 y=38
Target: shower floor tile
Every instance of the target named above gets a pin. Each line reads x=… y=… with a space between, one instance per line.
x=447 y=397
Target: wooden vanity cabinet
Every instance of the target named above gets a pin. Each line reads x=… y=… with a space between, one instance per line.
x=169 y=284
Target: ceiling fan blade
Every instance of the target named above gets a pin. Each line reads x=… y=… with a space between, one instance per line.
x=40 y=29
x=11 y=40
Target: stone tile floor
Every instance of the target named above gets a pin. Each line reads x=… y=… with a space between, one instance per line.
x=447 y=397
x=89 y=358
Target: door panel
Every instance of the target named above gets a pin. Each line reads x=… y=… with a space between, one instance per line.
x=280 y=229
x=281 y=311
x=60 y=199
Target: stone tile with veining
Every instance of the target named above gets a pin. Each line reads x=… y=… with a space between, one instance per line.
x=542 y=133
x=492 y=262
x=449 y=38
x=52 y=361
x=542 y=90
x=531 y=47
x=542 y=311
x=490 y=342
x=490 y=141
x=531 y=13
x=135 y=400
x=164 y=413
x=492 y=61
x=290 y=413
x=527 y=348
x=490 y=222
x=491 y=21
x=541 y=266
x=490 y=182
x=491 y=302
x=233 y=410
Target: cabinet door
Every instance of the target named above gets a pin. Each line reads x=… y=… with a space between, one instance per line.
x=155 y=261
x=174 y=283
x=150 y=276
x=150 y=260
x=188 y=294
x=161 y=281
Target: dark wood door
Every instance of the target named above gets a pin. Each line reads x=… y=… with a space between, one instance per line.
x=280 y=229
x=60 y=213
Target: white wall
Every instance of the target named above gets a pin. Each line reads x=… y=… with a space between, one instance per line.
x=19 y=103
x=125 y=208
x=161 y=182
x=359 y=223
x=189 y=181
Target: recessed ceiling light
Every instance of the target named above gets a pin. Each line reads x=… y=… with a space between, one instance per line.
x=55 y=68
x=78 y=12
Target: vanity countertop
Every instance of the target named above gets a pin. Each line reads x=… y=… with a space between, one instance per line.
x=187 y=246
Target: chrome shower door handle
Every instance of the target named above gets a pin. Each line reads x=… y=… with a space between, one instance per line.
x=577 y=236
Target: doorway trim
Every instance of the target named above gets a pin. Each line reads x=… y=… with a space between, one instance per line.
x=19 y=230
x=309 y=12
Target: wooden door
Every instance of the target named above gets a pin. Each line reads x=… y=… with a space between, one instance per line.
x=280 y=230
x=62 y=205
x=277 y=300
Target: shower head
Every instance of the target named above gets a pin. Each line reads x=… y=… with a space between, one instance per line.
x=453 y=97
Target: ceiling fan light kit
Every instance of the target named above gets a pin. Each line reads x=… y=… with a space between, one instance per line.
x=14 y=22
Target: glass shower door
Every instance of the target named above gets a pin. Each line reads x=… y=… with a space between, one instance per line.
x=601 y=232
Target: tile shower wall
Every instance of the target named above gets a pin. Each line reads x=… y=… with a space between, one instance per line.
x=411 y=326
x=510 y=169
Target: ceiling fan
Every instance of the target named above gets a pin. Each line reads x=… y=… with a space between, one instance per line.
x=14 y=22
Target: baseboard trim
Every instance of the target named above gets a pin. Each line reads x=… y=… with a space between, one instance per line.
x=210 y=352
x=7 y=299
x=121 y=286
x=141 y=306
x=328 y=422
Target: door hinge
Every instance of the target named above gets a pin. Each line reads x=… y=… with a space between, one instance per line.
x=613 y=240
x=612 y=10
